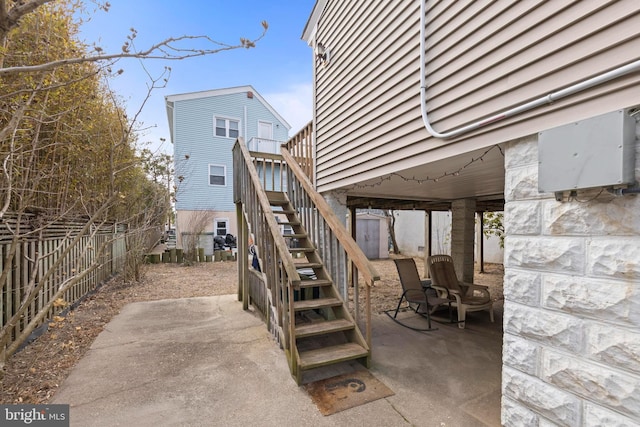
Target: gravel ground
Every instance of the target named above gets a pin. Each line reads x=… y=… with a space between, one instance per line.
x=34 y=374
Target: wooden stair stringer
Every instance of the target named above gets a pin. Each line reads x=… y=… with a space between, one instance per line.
x=323 y=351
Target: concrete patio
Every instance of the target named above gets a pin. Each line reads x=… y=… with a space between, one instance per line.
x=205 y=361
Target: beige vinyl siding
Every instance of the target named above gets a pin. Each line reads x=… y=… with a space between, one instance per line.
x=482 y=58
x=352 y=119
x=538 y=59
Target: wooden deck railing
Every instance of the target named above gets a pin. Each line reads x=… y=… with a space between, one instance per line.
x=300 y=146
x=339 y=251
x=252 y=172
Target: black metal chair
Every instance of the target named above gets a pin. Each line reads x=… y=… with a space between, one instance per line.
x=415 y=291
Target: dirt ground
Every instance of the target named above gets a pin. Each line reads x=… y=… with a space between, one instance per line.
x=34 y=374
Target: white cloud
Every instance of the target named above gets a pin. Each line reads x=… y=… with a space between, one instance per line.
x=295 y=105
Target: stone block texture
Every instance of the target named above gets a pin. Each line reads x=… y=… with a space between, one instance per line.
x=597 y=416
x=514 y=414
x=523 y=286
x=571 y=353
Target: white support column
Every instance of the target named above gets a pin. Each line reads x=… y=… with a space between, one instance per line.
x=338 y=202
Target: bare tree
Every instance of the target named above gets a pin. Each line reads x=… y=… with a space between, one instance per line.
x=193 y=233
x=173 y=48
x=391 y=223
x=161 y=171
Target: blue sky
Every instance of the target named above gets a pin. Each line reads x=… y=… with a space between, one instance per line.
x=279 y=68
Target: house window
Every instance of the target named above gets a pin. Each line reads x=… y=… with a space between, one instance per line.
x=217 y=175
x=227 y=128
x=221 y=227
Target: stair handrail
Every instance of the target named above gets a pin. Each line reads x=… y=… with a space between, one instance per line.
x=358 y=258
x=279 y=273
x=274 y=228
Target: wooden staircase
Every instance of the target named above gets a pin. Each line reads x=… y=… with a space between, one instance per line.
x=324 y=330
x=306 y=257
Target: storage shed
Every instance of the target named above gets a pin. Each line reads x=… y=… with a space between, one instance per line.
x=372 y=235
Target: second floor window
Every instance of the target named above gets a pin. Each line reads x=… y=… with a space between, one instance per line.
x=227 y=128
x=217 y=175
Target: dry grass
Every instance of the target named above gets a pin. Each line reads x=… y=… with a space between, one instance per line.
x=34 y=374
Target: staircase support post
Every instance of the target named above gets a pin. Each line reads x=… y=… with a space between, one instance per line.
x=243 y=292
x=368 y=308
x=353 y=271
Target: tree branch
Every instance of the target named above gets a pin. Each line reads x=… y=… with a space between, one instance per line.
x=165 y=49
x=9 y=19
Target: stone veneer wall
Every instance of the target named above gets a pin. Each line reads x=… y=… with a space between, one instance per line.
x=571 y=353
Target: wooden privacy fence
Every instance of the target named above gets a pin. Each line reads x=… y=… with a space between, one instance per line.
x=57 y=254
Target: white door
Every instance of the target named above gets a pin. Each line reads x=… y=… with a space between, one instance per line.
x=368 y=237
x=265 y=138
x=265 y=130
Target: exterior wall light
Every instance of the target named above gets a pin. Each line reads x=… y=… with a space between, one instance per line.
x=323 y=54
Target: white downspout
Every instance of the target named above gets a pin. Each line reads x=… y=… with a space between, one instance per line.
x=547 y=99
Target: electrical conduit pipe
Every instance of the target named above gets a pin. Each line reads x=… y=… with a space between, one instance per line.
x=547 y=99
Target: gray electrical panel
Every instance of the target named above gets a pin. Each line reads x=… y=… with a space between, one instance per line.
x=596 y=152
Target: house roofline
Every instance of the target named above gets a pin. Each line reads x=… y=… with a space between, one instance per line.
x=171 y=99
x=209 y=93
x=310 y=27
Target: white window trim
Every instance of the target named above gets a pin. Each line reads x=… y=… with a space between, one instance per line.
x=215 y=226
x=209 y=175
x=226 y=119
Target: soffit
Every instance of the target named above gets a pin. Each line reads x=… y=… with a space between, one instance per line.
x=478 y=175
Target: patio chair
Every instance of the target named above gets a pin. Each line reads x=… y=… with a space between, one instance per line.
x=465 y=297
x=416 y=291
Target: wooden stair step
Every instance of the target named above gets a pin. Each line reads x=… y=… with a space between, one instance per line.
x=292 y=223
x=301 y=250
x=277 y=198
x=315 y=283
x=283 y=212
x=300 y=265
x=295 y=236
x=330 y=355
x=313 y=304
x=319 y=328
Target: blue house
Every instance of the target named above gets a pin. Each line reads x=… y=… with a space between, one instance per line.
x=204 y=126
